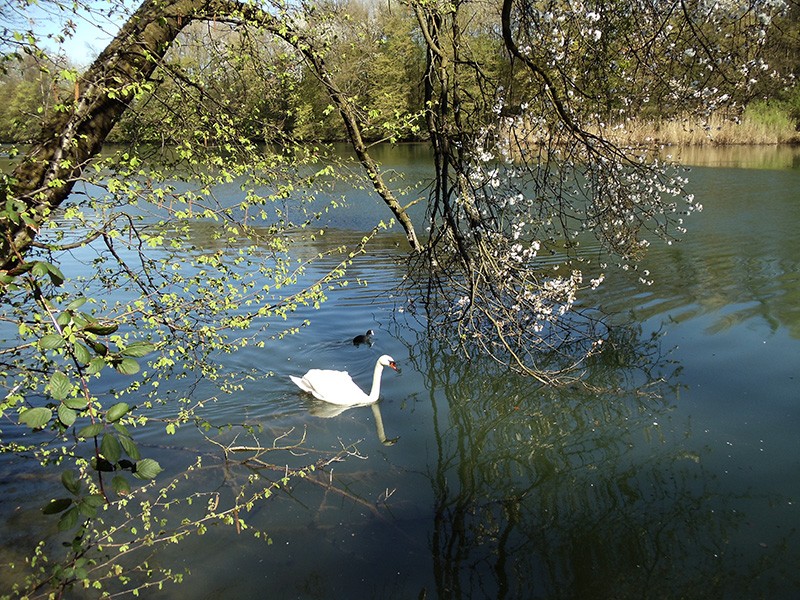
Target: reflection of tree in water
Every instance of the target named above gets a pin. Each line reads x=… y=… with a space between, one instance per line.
x=573 y=492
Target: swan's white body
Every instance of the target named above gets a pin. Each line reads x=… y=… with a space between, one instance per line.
x=337 y=387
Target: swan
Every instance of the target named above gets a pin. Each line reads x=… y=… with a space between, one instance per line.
x=364 y=339
x=337 y=387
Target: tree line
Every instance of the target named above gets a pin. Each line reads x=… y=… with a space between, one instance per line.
x=377 y=55
x=268 y=92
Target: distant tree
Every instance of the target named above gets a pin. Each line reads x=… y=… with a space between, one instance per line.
x=375 y=59
x=28 y=93
x=395 y=70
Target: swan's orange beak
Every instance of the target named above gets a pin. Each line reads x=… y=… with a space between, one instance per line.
x=394 y=366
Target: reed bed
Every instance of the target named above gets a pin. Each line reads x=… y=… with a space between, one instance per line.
x=756 y=126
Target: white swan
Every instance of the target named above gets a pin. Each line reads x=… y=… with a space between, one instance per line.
x=337 y=387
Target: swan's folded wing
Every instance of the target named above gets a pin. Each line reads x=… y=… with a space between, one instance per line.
x=301 y=383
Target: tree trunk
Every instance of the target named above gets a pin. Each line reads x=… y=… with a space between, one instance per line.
x=47 y=173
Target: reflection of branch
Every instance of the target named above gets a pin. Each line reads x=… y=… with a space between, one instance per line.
x=313 y=473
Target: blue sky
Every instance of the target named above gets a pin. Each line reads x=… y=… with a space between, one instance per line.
x=94 y=27
x=86 y=45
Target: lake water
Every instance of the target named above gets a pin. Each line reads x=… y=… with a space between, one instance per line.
x=497 y=487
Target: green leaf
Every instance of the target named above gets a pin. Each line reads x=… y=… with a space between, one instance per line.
x=42 y=268
x=95 y=500
x=127 y=366
x=101 y=329
x=69 y=519
x=147 y=468
x=138 y=349
x=88 y=505
x=36 y=418
x=82 y=353
x=77 y=303
x=51 y=341
x=95 y=365
x=80 y=319
x=91 y=430
x=130 y=447
x=71 y=482
x=56 y=506
x=66 y=415
x=116 y=412
x=56 y=276
x=110 y=448
x=74 y=403
x=60 y=386
x=120 y=485
x=39 y=269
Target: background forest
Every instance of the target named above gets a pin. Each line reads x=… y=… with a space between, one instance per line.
x=377 y=55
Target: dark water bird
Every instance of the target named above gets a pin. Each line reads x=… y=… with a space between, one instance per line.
x=365 y=338
x=337 y=387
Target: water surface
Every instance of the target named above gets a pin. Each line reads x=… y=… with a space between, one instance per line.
x=499 y=488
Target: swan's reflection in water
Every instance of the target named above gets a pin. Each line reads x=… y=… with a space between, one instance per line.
x=325 y=410
x=376 y=413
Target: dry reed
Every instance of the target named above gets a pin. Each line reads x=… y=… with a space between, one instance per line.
x=751 y=129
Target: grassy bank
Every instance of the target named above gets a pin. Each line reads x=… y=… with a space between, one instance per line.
x=760 y=124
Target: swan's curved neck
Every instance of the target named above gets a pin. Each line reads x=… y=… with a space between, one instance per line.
x=376 y=382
